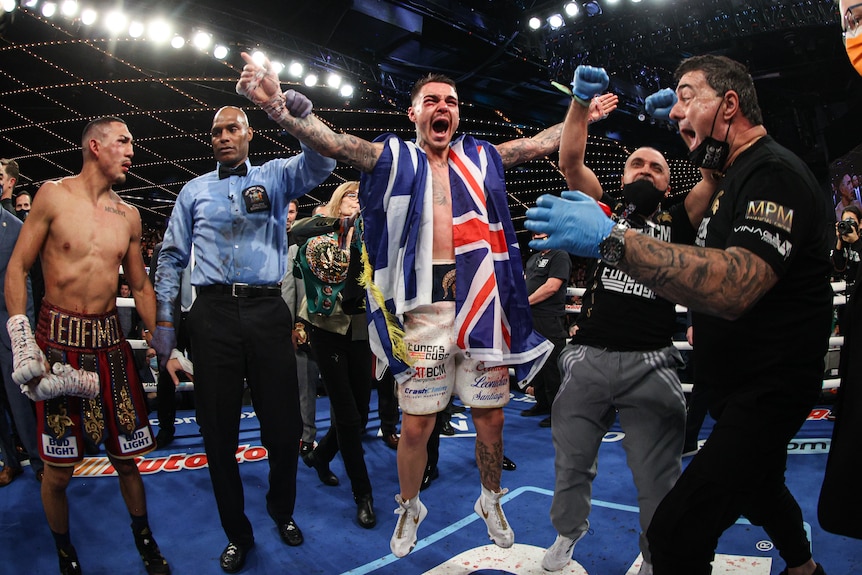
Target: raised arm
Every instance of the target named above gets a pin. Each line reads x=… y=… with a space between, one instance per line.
x=588 y=82
x=548 y=141
x=291 y=110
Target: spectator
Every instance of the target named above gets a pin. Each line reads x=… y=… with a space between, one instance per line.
x=547 y=272
x=840 y=497
x=22 y=205
x=8 y=178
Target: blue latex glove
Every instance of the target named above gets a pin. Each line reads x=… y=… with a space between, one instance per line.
x=658 y=105
x=574 y=223
x=589 y=82
x=298 y=105
x=164 y=341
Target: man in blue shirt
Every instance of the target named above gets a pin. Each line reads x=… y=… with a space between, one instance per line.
x=239 y=325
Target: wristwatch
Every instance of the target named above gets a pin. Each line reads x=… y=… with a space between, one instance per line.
x=613 y=247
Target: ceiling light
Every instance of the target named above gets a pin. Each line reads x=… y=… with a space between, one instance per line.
x=333 y=80
x=572 y=9
x=136 y=29
x=115 y=22
x=9 y=5
x=593 y=8
x=295 y=69
x=346 y=91
x=555 y=21
x=534 y=23
x=49 y=9
x=202 y=40
x=31 y=3
x=276 y=66
x=310 y=80
x=159 y=30
x=178 y=42
x=258 y=57
x=220 y=52
x=89 y=16
x=69 y=8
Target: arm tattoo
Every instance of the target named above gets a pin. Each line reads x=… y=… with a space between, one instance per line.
x=522 y=150
x=347 y=148
x=724 y=283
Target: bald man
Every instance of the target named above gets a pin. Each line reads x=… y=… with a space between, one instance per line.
x=239 y=325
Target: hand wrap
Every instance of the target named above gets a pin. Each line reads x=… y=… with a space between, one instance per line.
x=65 y=380
x=28 y=361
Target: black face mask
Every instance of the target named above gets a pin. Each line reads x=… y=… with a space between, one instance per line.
x=711 y=154
x=641 y=197
x=22 y=214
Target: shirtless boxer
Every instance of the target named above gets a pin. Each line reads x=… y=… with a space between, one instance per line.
x=83 y=232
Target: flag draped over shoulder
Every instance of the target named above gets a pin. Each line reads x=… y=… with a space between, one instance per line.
x=493 y=321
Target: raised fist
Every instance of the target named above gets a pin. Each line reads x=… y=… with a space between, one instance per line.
x=588 y=82
x=658 y=105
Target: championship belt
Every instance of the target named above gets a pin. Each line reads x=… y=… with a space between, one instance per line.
x=323 y=265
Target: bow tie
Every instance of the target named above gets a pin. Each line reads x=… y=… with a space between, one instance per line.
x=225 y=172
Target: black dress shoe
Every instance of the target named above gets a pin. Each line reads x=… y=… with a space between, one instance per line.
x=536 y=410
x=233 y=557
x=327 y=477
x=290 y=533
x=447 y=429
x=391 y=440
x=508 y=464
x=164 y=438
x=365 y=511
x=545 y=422
x=431 y=473
x=305 y=448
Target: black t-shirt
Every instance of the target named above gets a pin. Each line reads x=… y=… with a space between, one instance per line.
x=770 y=204
x=539 y=268
x=622 y=314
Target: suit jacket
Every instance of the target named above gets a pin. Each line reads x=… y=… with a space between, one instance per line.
x=10 y=227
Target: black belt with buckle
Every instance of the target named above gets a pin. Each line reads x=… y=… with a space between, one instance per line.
x=241 y=290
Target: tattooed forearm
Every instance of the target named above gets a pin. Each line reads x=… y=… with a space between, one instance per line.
x=489 y=459
x=724 y=283
x=522 y=150
x=347 y=148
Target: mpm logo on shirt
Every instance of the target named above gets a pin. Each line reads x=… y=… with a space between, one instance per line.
x=770 y=213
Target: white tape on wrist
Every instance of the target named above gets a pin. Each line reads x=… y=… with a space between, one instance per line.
x=28 y=361
x=64 y=380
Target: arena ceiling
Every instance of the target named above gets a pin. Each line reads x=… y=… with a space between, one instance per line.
x=56 y=73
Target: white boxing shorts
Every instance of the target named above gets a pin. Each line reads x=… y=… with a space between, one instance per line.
x=442 y=368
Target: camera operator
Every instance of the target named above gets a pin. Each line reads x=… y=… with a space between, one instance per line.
x=846 y=255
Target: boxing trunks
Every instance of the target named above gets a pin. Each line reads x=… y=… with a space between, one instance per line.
x=118 y=416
